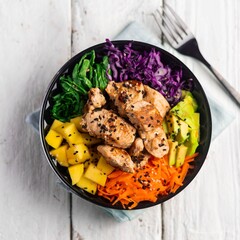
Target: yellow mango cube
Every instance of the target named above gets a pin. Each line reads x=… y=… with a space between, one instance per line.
x=94 y=156
x=54 y=139
x=76 y=172
x=70 y=133
x=77 y=121
x=104 y=166
x=60 y=154
x=56 y=123
x=78 y=153
x=94 y=174
x=87 y=185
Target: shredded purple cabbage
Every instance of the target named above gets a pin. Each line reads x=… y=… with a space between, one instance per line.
x=129 y=64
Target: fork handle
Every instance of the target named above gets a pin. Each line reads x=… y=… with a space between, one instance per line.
x=198 y=55
x=232 y=91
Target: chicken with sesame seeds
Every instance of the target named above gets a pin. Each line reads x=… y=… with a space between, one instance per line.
x=155 y=142
x=124 y=93
x=114 y=130
x=117 y=157
x=138 y=153
x=95 y=99
x=105 y=124
x=148 y=121
x=156 y=99
x=145 y=109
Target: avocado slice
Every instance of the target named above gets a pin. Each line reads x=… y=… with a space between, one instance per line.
x=180 y=155
x=192 y=142
x=183 y=131
x=164 y=124
x=185 y=108
x=189 y=97
x=172 y=125
x=172 y=151
x=193 y=121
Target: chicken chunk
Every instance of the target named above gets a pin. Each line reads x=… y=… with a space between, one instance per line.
x=95 y=99
x=117 y=157
x=138 y=154
x=141 y=159
x=143 y=115
x=157 y=99
x=137 y=147
x=124 y=93
x=102 y=123
x=155 y=142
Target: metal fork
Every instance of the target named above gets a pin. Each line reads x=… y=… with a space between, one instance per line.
x=180 y=38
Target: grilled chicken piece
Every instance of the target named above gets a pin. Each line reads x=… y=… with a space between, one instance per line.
x=95 y=99
x=137 y=147
x=141 y=159
x=117 y=157
x=102 y=123
x=143 y=115
x=124 y=93
x=138 y=154
x=157 y=99
x=155 y=142
x=147 y=119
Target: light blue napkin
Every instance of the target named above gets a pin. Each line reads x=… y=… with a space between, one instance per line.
x=221 y=118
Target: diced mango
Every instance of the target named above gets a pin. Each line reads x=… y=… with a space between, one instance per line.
x=89 y=140
x=76 y=172
x=70 y=133
x=87 y=185
x=78 y=153
x=104 y=166
x=94 y=157
x=94 y=174
x=60 y=155
x=77 y=121
x=54 y=139
x=56 y=123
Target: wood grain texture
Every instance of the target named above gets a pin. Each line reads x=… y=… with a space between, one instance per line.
x=35 y=42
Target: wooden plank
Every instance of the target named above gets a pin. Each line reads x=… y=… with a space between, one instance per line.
x=93 y=22
x=209 y=207
x=35 y=42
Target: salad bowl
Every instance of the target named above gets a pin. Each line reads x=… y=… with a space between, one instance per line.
x=54 y=88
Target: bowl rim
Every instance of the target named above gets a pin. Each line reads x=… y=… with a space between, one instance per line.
x=63 y=180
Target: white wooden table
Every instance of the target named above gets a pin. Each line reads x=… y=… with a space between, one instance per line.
x=36 y=38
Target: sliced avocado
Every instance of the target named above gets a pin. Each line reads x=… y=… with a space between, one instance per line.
x=172 y=125
x=192 y=142
x=189 y=97
x=193 y=121
x=165 y=128
x=172 y=151
x=183 y=131
x=185 y=108
x=180 y=155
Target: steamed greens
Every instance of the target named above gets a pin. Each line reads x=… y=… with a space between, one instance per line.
x=86 y=74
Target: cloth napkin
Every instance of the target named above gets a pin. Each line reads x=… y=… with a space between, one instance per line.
x=221 y=118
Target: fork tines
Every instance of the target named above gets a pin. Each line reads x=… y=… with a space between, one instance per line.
x=172 y=26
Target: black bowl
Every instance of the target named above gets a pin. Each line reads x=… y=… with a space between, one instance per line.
x=167 y=59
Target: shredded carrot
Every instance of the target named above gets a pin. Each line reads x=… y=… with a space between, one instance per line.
x=155 y=179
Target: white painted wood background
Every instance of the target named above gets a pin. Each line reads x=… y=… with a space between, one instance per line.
x=36 y=38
